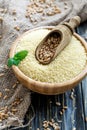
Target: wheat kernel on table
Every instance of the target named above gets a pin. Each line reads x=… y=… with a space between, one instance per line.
x=14 y=85
x=0 y=94
x=58 y=103
x=5 y=97
x=1 y=74
x=65 y=107
x=7 y=90
x=86 y=119
x=17 y=28
x=1 y=19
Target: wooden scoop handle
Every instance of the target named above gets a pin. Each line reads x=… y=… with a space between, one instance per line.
x=74 y=22
x=63 y=33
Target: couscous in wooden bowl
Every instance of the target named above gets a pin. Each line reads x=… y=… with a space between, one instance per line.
x=45 y=87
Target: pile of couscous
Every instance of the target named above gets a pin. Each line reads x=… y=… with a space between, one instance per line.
x=68 y=64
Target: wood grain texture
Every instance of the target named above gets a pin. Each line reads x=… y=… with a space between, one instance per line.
x=82 y=30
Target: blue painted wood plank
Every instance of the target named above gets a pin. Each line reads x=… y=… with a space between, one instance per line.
x=82 y=30
x=46 y=109
x=84 y=90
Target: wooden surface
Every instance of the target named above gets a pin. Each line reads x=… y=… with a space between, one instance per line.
x=75 y=115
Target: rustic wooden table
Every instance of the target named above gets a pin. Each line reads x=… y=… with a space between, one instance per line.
x=50 y=107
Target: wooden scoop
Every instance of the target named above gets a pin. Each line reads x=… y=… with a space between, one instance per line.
x=55 y=41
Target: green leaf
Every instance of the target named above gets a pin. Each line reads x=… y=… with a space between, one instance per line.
x=18 y=57
x=10 y=62
x=16 y=62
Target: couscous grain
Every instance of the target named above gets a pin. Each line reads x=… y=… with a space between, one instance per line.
x=68 y=64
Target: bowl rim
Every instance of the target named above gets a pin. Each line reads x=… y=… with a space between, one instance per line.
x=40 y=84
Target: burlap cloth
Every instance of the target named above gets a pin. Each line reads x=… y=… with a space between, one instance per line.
x=14 y=97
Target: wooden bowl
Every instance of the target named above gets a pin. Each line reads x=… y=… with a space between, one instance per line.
x=43 y=87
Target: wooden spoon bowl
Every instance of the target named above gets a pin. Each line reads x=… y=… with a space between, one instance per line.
x=43 y=87
x=63 y=33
